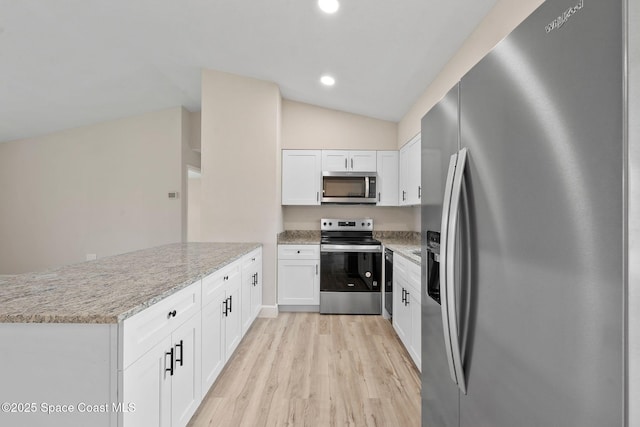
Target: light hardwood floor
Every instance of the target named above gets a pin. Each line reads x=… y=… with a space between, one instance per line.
x=307 y=369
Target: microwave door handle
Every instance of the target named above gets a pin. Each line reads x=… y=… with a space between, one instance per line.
x=444 y=297
x=366 y=187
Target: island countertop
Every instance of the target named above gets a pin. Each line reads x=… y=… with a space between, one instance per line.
x=111 y=289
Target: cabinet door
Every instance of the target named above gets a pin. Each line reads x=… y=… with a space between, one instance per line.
x=301 y=177
x=213 y=340
x=401 y=316
x=298 y=282
x=388 y=178
x=415 y=347
x=256 y=292
x=335 y=160
x=404 y=176
x=410 y=173
x=251 y=292
x=147 y=384
x=186 y=393
x=414 y=186
x=246 y=291
x=362 y=161
x=233 y=319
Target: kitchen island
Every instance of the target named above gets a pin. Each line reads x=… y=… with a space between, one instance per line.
x=120 y=341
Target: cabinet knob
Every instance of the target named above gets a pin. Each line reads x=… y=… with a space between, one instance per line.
x=171 y=314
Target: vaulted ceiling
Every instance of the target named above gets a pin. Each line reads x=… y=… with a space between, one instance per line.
x=69 y=63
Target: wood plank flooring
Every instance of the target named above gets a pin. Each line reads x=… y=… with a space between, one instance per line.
x=307 y=369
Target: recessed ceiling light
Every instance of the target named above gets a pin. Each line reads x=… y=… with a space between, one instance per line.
x=327 y=80
x=329 y=6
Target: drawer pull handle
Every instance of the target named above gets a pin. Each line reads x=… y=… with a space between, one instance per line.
x=230 y=304
x=226 y=277
x=170 y=368
x=171 y=314
x=181 y=353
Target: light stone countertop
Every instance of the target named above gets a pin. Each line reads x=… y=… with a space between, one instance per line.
x=405 y=250
x=402 y=242
x=114 y=288
x=299 y=237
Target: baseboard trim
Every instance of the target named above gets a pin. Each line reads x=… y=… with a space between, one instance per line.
x=299 y=308
x=269 y=311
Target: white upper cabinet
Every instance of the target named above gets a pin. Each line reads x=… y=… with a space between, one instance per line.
x=388 y=178
x=348 y=161
x=301 y=177
x=410 y=174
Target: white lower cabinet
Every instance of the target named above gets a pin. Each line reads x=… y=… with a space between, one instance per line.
x=221 y=320
x=251 y=291
x=174 y=350
x=186 y=392
x=407 y=306
x=164 y=385
x=146 y=386
x=299 y=275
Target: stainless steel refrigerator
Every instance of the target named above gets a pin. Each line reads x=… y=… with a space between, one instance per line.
x=527 y=324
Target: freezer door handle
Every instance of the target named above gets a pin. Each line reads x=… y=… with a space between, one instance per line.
x=444 y=229
x=454 y=327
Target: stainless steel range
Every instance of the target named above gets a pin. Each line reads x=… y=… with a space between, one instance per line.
x=350 y=267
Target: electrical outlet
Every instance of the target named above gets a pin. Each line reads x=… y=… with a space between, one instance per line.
x=174 y=195
x=91 y=257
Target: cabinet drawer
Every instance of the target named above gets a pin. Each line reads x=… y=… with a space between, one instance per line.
x=252 y=258
x=213 y=283
x=298 y=251
x=144 y=330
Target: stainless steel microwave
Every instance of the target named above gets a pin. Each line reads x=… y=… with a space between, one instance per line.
x=349 y=187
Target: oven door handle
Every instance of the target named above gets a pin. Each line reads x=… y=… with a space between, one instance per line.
x=350 y=248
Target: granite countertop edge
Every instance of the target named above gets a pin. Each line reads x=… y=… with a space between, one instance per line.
x=216 y=255
x=400 y=242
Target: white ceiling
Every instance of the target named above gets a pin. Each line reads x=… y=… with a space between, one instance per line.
x=68 y=63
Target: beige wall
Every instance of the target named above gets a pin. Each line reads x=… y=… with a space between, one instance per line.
x=190 y=136
x=240 y=165
x=194 y=198
x=501 y=20
x=307 y=126
x=99 y=189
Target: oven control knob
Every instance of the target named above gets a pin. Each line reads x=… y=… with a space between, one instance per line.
x=330 y=223
x=367 y=274
x=324 y=223
x=363 y=224
x=369 y=224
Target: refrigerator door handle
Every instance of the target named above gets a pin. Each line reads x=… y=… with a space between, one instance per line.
x=444 y=229
x=454 y=329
